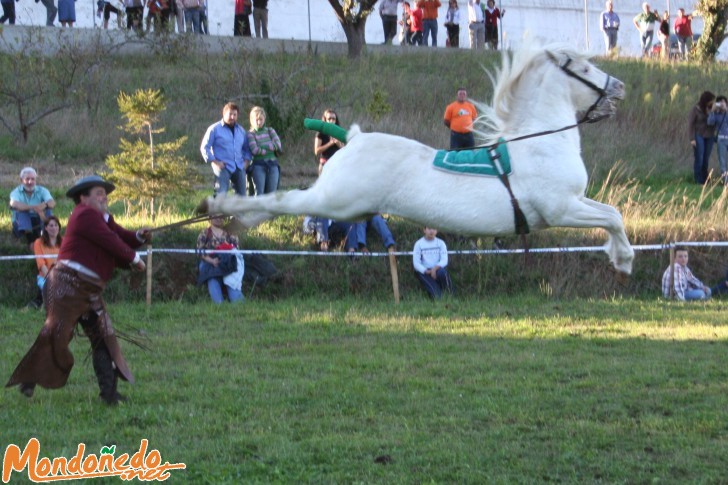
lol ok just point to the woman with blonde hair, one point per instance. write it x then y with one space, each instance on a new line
266 147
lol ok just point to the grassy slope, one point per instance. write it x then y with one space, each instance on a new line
640 161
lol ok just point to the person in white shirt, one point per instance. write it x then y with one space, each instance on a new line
430 263
476 24
452 24
388 12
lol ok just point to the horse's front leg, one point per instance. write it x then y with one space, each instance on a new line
587 213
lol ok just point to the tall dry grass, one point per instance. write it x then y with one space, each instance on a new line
669 213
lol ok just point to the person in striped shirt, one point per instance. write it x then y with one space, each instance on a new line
685 285
265 146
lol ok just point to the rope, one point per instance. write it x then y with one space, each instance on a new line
583 249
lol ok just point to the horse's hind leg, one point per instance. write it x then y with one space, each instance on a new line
315 201
587 213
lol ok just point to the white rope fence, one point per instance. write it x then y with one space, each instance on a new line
584 249
391 255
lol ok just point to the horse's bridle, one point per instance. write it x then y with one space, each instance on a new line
602 92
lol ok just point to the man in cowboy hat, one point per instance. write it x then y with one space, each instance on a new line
93 245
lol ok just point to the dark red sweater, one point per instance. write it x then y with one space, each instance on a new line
97 244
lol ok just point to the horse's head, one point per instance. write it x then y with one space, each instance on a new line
560 78
592 90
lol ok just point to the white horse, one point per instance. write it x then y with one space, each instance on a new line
540 89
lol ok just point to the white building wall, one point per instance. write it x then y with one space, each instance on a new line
551 20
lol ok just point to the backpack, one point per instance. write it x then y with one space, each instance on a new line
259 269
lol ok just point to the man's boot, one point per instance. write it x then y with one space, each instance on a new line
106 376
27 389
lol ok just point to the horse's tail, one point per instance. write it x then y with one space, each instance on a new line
353 131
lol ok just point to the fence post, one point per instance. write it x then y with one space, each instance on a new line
149 275
672 271
393 271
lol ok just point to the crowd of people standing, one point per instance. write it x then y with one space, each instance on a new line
189 16
419 22
646 22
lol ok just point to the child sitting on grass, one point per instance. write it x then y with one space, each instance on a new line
430 261
686 286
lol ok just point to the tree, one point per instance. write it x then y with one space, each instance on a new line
352 15
715 20
35 84
145 170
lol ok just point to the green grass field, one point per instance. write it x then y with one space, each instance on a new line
503 390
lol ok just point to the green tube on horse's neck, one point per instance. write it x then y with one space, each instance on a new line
331 129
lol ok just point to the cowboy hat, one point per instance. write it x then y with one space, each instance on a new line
86 183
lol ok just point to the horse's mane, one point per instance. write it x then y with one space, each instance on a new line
495 118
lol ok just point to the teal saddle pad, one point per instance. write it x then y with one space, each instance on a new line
473 162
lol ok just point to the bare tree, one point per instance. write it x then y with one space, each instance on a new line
35 85
352 15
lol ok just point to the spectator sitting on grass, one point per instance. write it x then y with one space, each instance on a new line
721 288
686 286
30 206
430 260
330 233
222 272
380 226
49 244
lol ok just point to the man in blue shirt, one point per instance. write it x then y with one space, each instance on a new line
225 148
610 27
30 206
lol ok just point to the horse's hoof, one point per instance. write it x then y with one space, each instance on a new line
202 208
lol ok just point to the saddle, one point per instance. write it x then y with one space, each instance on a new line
478 161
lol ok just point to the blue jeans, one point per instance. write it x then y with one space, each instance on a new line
430 25
435 288
346 231
610 39
696 294
222 181
646 41
214 288
723 157
721 288
416 38
28 224
266 174
461 140
683 45
192 20
8 12
702 150
51 12
379 225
